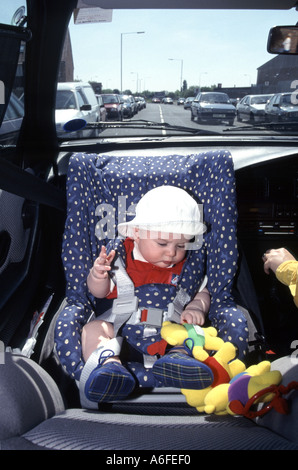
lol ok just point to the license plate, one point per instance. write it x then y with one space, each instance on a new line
219 115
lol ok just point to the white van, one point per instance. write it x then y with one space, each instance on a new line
76 100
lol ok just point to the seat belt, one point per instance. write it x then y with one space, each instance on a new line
126 302
20 182
125 306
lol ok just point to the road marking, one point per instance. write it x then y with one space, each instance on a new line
164 132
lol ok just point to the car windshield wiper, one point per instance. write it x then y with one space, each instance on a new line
79 124
274 126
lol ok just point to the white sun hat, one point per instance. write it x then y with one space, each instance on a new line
166 209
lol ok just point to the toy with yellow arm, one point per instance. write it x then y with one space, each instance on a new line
234 389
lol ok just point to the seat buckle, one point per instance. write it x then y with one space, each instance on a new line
152 317
123 305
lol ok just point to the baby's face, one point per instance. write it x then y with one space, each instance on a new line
161 249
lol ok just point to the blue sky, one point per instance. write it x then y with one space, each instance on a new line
212 46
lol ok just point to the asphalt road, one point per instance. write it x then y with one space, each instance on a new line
172 114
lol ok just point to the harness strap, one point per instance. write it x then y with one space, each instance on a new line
126 303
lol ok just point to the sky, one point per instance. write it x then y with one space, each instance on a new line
211 47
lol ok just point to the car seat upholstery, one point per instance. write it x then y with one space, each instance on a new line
33 414
107 183
33 417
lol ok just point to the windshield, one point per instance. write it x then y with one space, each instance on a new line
197 52
166 60
260 99
107 99
214 98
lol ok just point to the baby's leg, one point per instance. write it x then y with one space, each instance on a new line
94 334
104 378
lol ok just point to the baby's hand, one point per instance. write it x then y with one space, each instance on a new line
102 264
193 317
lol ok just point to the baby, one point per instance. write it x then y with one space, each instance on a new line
157 240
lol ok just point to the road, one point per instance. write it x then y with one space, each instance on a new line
172 114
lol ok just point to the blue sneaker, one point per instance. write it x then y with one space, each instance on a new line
109 382
179 370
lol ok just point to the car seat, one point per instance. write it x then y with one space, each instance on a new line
99 190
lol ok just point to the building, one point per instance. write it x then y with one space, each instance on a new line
277 75
66 68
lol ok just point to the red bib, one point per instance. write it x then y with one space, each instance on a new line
142 273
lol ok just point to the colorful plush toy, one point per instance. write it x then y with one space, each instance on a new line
223 363
234 389
195 337
232 397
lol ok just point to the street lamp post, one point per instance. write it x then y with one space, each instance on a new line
181 71
200 77
132 32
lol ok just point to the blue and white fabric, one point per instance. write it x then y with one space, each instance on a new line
102 190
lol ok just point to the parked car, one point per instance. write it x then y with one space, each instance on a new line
76 100
180 101
167 100
114 106
212 107
252 108
128 106
155 99
102 109
282 107
135 104
141 102
12 121
188 101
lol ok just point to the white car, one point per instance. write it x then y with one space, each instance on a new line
76 100
252 107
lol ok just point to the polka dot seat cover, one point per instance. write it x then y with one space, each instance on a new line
101 190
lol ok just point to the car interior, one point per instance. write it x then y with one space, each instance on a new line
50 187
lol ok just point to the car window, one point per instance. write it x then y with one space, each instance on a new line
286 100
65 99
81 98
91 99
15 109
12 13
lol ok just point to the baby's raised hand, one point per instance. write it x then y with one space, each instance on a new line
102 264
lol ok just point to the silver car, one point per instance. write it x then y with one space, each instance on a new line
282 107
252 108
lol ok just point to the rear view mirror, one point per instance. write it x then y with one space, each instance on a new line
283 40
